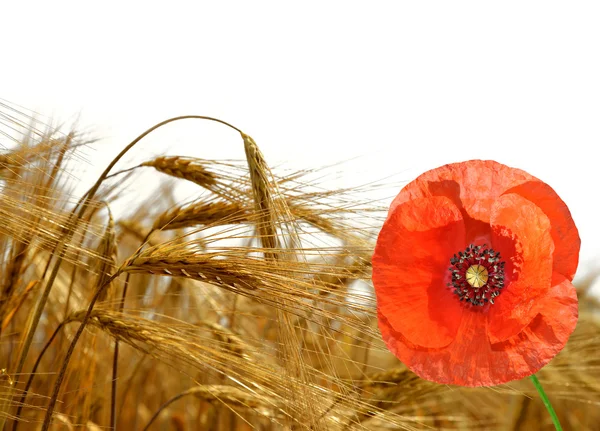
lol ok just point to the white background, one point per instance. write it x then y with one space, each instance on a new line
408 86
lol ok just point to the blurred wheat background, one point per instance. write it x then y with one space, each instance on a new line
248 307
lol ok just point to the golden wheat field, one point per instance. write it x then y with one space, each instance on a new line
247 308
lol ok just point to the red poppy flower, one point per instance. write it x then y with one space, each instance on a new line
472 272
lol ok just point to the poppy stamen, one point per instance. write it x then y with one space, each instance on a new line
477 274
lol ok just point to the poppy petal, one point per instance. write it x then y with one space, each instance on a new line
470 360
473 186
521 230
564 232
410 265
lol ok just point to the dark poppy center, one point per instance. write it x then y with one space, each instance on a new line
477 274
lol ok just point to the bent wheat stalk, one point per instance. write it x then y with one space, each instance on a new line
228 395
266 226
84 204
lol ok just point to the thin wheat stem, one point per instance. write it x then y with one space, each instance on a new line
164 406
113 388
21 402
115 370
65 363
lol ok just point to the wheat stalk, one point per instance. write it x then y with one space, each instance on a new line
228 395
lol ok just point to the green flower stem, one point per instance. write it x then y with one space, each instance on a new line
546 401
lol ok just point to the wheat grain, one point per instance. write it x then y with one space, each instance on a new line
108 265
185 168
212 213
